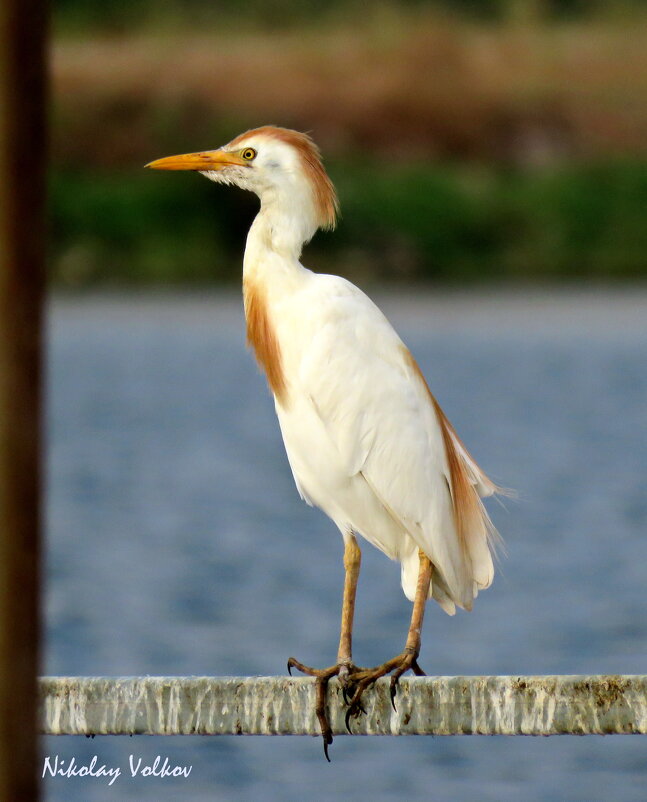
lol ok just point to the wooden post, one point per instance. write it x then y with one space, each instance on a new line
22 199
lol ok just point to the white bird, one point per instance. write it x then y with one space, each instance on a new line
366 440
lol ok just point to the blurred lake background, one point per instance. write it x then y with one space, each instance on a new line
509 143
491 162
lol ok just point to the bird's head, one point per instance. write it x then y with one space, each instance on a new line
281 166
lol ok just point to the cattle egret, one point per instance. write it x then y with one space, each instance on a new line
366 440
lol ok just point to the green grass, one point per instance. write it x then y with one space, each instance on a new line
413 222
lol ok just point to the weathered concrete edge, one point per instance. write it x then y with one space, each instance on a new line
505 705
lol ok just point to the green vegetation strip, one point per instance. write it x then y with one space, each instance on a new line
410 222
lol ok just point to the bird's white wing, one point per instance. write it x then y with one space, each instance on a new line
377 410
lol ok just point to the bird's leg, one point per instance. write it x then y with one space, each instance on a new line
408 659
352 562
344 667
412 646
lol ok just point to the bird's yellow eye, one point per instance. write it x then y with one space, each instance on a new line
248 154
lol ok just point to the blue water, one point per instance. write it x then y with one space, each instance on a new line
177 544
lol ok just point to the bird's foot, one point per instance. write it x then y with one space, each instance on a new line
362 679
345 672
354 680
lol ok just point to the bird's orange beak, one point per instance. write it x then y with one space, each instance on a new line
206 160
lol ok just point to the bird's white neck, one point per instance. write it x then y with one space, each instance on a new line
271 274
284 223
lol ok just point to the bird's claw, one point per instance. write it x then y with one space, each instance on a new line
349 713
327 740
355 707
392 690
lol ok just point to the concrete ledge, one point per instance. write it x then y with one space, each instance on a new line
544 705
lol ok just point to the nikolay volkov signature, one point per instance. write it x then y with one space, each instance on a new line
160 768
